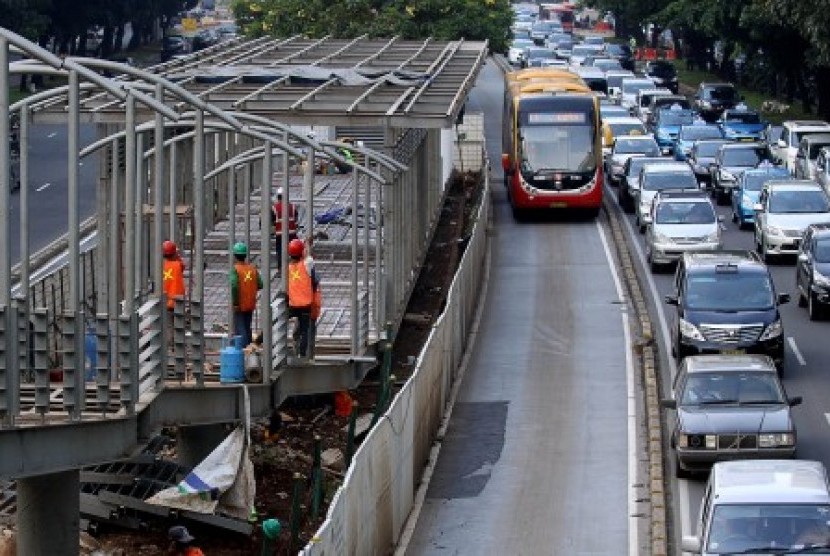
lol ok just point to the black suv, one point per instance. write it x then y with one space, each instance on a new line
726 303
621 52
712 99
812 270
663 73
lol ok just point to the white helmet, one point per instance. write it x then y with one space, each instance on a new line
279 192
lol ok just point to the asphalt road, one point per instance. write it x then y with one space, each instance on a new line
804 371
48 199
539 453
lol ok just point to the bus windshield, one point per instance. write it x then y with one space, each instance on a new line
553 148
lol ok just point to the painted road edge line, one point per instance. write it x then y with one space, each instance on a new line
631 405
796 351
649 369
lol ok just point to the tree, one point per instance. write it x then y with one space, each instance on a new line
410 19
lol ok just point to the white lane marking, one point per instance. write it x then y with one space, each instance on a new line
52 134
631 400
796 351
42 187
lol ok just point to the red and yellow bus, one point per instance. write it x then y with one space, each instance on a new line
552 154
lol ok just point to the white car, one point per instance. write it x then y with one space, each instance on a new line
629 89
784 210
661 177
614 79
793 132
582 51
645 101
516 51
681 221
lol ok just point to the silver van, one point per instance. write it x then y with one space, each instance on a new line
763 507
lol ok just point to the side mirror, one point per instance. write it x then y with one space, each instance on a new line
782 143
757 207
671 299
802 257
668 404
783 298
796 400
690 543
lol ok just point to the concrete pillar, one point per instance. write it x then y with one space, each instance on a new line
48 514
193 444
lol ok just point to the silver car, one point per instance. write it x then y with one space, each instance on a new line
681 221
784 210
729 407
657 177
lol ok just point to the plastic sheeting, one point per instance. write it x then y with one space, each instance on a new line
368 513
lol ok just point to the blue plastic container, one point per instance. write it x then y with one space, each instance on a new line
231 361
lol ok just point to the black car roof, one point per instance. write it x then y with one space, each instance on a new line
745 261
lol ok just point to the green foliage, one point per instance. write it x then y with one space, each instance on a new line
409 19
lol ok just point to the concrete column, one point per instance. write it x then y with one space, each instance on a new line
193 444
48 514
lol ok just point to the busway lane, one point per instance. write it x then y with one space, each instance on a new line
537 456
805 369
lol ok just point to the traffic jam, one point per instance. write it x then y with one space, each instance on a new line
729 216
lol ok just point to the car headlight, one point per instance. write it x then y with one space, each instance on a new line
726 176
773 330
774 231
714 237
690 331
821 279
707 441
776 440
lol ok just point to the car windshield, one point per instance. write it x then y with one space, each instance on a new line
774 133
695 132
707 150
618 49
797 202
821 252
606 65
656 181
537 53
743 118
754 182
584 50
685 213
752 387
796 136
563 148
676 117
522 43
633 87
729 291
663 69
815 148
721 93
624 145
636 164
616 81
748 158
769 529
610 111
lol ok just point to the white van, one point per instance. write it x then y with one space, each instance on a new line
763 507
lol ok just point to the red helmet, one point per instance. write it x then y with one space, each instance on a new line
168 248
296 248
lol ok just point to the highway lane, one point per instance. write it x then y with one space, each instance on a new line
804 372
48 214
540 453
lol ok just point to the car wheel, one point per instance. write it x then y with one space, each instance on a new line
814 310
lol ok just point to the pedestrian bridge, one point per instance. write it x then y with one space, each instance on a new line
193 150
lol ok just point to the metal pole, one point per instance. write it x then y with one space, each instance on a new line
23 140
129 206
114 242
158 197
286 185
140 197
74 309
231 229
355 195
380 243
247 203
308 192
199 220
5 195
265 259
367 200
174 173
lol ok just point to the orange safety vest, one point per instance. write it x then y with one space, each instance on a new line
173 280
300 290
292 217
248 283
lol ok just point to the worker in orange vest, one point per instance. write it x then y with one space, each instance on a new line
302 285
173 277
245 283
181 542
276 219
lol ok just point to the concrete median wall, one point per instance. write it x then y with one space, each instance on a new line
369 510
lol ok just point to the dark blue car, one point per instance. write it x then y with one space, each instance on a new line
748 191
741 124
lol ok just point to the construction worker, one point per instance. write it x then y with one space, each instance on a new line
347 154
181 542
276 220
302 285
245 283
173 277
